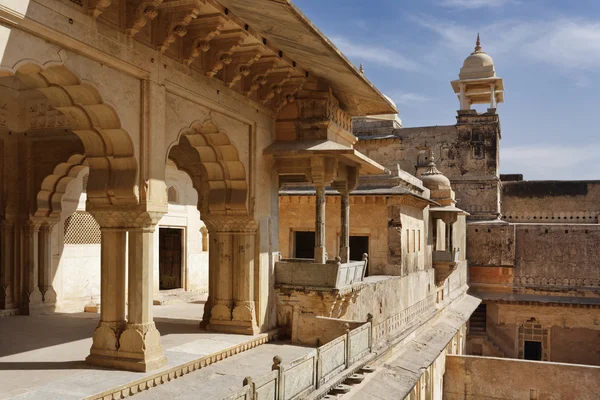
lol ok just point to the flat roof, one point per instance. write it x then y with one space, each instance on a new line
282 23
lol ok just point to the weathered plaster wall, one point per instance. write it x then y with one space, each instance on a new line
483 378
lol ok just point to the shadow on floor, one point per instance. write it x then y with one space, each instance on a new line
19 334
44 365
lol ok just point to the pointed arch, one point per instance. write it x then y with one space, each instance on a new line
205 152
109 150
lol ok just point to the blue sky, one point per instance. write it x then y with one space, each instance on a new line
547 52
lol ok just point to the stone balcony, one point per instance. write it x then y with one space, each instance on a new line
444 262
308 274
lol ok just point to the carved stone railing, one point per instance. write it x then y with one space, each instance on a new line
331 275
295 380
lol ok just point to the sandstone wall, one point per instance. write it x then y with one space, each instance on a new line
546 257
483 378
572 333
467 153
573 202
397 236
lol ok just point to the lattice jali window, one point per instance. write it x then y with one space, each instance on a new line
78 2
82 228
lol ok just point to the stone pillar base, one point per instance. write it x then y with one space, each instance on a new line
136 349
49 296
33 303
237 327
127 364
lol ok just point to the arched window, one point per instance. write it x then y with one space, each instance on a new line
172 195
85 182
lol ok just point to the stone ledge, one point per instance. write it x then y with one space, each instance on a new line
168 375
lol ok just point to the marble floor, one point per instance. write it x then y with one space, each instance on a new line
42 357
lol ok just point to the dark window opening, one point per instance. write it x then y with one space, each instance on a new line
169 255
359 245
305 245
533 350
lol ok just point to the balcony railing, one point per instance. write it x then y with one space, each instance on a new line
331 275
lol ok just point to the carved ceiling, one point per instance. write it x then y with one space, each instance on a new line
208 38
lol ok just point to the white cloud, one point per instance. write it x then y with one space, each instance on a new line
373 54
566 43
552 162
408 98
475 3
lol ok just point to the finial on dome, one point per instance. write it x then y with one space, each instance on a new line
362 69
478 44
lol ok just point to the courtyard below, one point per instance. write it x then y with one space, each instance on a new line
42 357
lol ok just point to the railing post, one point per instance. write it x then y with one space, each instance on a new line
248 382
277 360
347 326
370 322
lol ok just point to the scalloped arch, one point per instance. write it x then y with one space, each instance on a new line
109 150
205 152
54 186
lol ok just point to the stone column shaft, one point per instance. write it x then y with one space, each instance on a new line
141 276
139 344
221 262
112 298
113 278
345 225
244 313
32 296
45 266
320 244
492 95
6 265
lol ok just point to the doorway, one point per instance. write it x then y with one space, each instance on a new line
304 245
169 255
533 350
359 245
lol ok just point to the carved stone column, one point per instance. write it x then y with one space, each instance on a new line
345 225
244 313
231 275
32 296
45 266
320 244
139 345
112 297
6 265
220 260
133 345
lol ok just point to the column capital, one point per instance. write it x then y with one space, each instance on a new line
127 219
231 224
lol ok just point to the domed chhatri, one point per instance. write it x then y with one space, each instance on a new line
477 81
433 179
478 64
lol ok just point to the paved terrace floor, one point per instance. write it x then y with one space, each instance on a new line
42 357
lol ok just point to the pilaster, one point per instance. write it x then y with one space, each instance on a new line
45 266
32 303
6 265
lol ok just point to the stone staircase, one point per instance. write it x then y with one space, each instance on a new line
477 321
